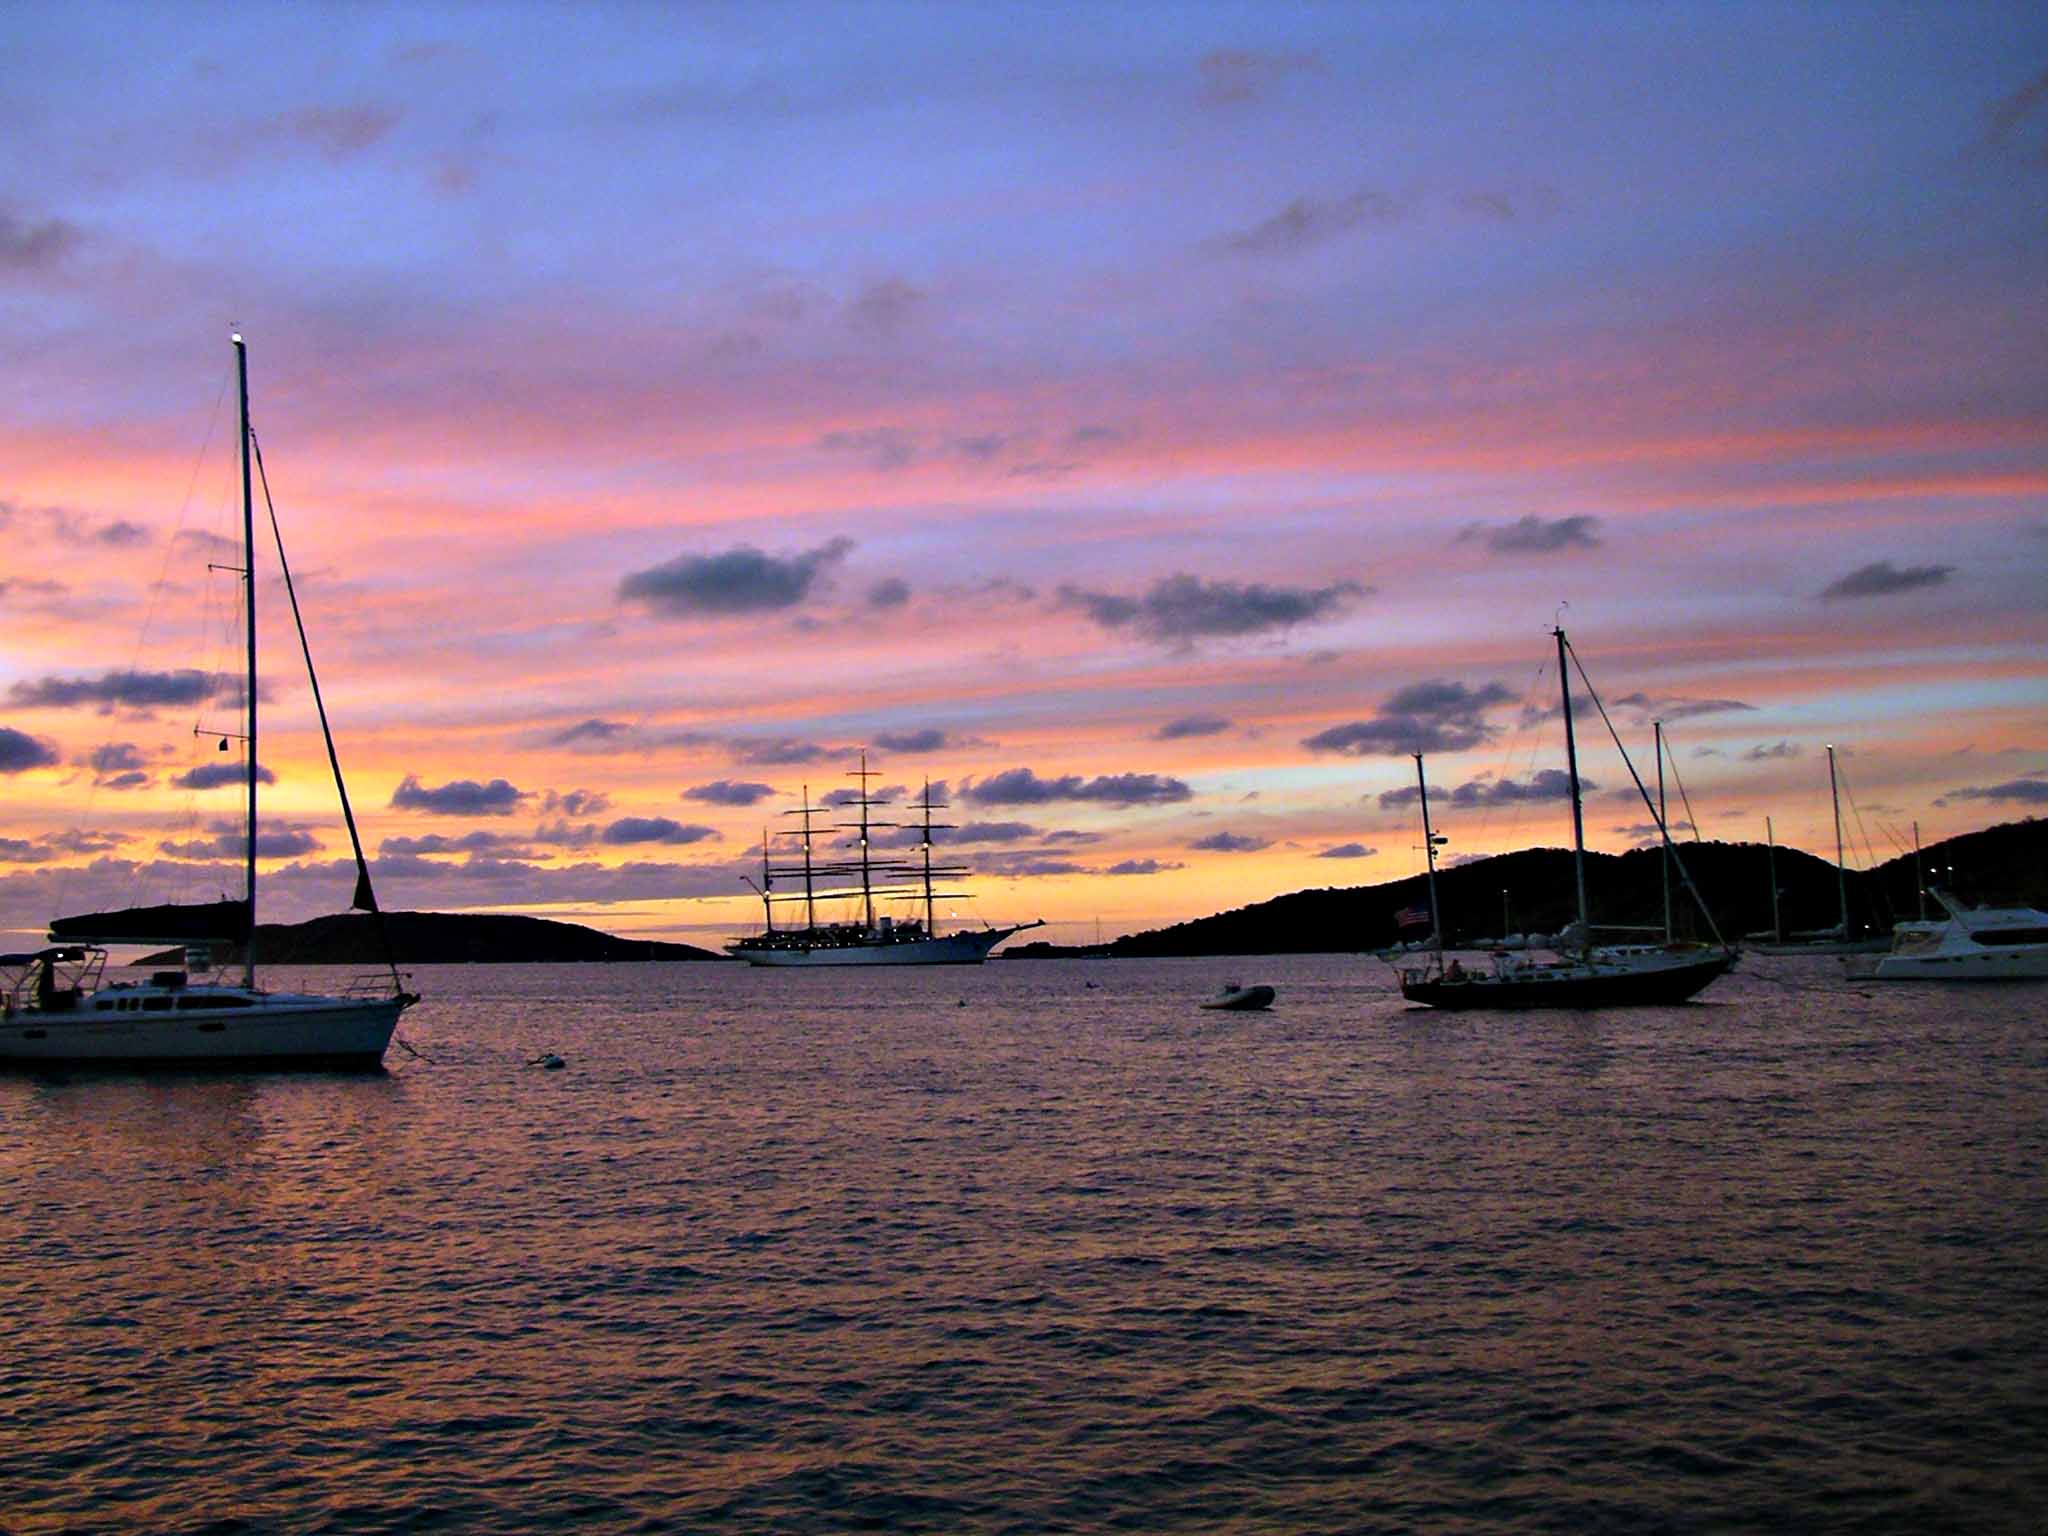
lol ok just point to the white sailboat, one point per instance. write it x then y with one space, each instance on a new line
876 939
1581 974
57 1007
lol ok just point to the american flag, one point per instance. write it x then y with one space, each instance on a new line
1412 917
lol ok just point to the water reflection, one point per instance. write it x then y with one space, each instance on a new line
800 1252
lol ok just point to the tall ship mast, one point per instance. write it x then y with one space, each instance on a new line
796 872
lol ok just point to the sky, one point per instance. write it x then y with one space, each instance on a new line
1149 424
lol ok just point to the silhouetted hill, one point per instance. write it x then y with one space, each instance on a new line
2000 865
450 938
2003 863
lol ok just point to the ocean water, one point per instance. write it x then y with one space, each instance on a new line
1041 1247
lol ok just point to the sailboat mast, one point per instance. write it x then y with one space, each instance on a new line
1436 926
929 930
867 890
1841 873
1571 760
1919 880
1663 830
1771 854
249 619
767 885
810 899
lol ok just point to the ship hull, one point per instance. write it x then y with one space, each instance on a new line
1983 965
280 1032
965 948
1569 986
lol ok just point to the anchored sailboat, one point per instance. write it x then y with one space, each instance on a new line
1838 940
58 1006
1583 974
874 939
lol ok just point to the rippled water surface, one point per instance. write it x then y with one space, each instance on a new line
1040 1246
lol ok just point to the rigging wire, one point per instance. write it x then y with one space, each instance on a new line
1683 798
60 886
1642 790
1524 745
1900 847
1869 853
365 897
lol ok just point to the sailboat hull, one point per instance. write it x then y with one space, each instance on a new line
52 1010
1568 985
964 948
1876 945
281 1031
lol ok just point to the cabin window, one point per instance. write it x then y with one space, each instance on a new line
1994 936
156 1004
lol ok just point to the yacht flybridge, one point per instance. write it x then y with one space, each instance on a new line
56 1005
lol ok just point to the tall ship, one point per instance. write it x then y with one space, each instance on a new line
800 875
57 1006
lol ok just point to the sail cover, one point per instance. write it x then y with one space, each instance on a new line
174 924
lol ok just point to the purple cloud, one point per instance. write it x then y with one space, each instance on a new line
1141 867
126 689
1184 608
20 751
1020 786
1433 716
1308 221
31 245
215 775
1881 578
460 797
1230 842
729 792
1534 535
741 580
2031 790
655 829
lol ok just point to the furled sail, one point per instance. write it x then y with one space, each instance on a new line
171 924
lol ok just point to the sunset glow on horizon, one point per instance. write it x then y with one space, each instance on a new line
1149 425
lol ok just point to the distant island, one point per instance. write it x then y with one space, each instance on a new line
1525 892
1532 892
446 938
